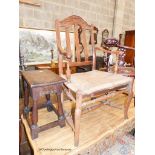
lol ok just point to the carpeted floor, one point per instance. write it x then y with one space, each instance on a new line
124 146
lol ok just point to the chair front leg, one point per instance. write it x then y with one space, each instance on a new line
128 101
77 118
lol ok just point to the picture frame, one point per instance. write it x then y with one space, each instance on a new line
37 46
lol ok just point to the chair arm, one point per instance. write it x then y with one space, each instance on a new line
64 53
126 47
108 51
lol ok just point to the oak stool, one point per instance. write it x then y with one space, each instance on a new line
39 83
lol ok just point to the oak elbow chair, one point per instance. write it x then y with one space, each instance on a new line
102 85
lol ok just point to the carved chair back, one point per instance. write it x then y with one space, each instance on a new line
73 24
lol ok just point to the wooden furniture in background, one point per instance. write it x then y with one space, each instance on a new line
130 41
54 67
123 68
43 66
98 84
42 83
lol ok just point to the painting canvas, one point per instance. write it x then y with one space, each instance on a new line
35 46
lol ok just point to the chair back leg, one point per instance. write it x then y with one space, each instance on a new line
129 98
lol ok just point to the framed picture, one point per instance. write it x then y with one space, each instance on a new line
39 46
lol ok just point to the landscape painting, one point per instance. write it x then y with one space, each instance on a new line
36 46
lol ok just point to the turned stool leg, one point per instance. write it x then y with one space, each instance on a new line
34 126
26 99
22 135
60 111
77 118
128 101
48 103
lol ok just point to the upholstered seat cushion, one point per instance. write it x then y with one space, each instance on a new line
93 81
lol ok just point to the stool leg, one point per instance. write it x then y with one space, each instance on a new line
34 126
22 135
48 103
60 111
26 99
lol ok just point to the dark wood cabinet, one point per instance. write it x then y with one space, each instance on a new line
130 41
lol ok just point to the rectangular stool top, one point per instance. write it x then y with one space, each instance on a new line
37 78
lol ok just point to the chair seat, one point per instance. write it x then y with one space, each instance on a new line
93 81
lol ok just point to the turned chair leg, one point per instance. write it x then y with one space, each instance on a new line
77 118
128 101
